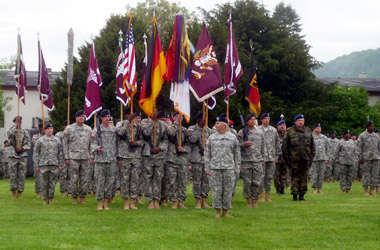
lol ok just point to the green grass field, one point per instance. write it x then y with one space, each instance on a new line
332 220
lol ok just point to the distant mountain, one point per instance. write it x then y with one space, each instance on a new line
350 66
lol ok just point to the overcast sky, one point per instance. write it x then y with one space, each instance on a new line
332 27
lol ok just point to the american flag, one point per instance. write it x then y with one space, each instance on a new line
129 74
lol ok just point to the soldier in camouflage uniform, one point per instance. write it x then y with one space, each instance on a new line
332 166
78 156
18 157
162 116
252 149
129 153
63 175
5 159
298 152
222 162
48 159
177 161
272 153
346 156
320 159
37 175
281 171
154 154
104 147
356 166
200 179
369 156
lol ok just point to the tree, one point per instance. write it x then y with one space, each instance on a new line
5 64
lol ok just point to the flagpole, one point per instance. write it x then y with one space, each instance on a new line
129 32
180 134
204 127
18 86
154 104
228 109
121 111
95 120
207 113
43 113
68 104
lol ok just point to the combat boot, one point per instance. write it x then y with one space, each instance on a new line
254 203
151 205
181 205
139 201
218 213
132 204
320 191
126 204
225 214
100 204
204 203
278 191
348 191
261 197
249 202
267 196
50 201
156 204
366 191
372 191
163 202
282 190
39 195
105 204
301 197
295 198
63 195
198 203
14 194
19 196
174 205
75 200
315 191
82 201
46 202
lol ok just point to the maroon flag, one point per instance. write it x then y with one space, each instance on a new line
20 72
93 102
121 94
206 79
232 70
43 83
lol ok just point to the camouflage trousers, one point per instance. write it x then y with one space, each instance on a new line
317 173
329 169
153 173
130 171
252 173
141 186
345 176
335 171
91 178
370 173
201 185
105 179
64 179
177 176
78 172
298 173
360 171
37 182
165 183
222 182
237 177
49 177
117 182
17 171
281 175
268 172
5 170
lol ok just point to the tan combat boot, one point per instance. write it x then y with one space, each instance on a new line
105 204
198 203
39 195
19 196
249 202
14 194
82 200
267 196
132 204
63 195
181 205
218 213
366 191
320 191
100 204
50 201
156 204
75 200
112 201
315 191
261 197
254 203
126 204
151 205
204 203
174 205
372 191
348 191
46 202
139 201
225 214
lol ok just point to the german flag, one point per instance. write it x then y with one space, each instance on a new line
154 72
252 89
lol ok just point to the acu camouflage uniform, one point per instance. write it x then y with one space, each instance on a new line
37 175
332 168
233 131
347 156
281 173
63 175
222 158
18 161
6 152
369 151
48 156
298 152
319 160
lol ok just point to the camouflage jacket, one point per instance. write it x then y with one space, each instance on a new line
76 142
369 145
272 143
321 147
222 151
298 144
195 135
48 152
173 138
161 138
281 136
108 137
60 135
346 152
125 137
24 142
332 147
255 152
6 152
35 137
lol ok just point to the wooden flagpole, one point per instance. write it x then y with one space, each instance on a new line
204 127
94 120
121 111
228 109
132 119
68 104
43 114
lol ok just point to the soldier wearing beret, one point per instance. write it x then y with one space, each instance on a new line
320 159
37 175
281 171
331 170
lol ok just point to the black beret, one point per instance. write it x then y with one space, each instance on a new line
346 131
353 134
161 114
222 119
105 112
64 123
223 115
332 132
198 115
264 115
6 141
175 113
137 114
40 125
14 119
127 111
48 125
369 123
249 116
317 125
79 113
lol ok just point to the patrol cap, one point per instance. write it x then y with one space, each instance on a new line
299 116
221 119
317 125
264 115
105 112
14 119
79 113
198 115
333 132
64 123
48 125
280 122
127 111
369 123
346 131
249 116
161 114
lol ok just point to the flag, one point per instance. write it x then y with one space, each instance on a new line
252 89
232 70
205 79
154 72
20 72
129 74
120 91
43 83
178 64
93 102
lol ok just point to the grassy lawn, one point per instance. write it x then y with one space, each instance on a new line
332 220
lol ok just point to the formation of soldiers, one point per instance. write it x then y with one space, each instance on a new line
154 157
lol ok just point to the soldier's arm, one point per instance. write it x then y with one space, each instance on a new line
93 143
285 149
61 159
148 129
240 138
193 135
360 147
36 154
278 146
337 152
237 156
207 155
312 147
65 143
164 142
27 142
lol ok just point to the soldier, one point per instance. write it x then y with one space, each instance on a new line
154 132
281 171
272 153
129 154
162 116
369 156
298 152
20 143
5 159
197 139
355 175
222 162
177 161
331 167
63 175
346 156
78 156
252 149
320 159
140 186
37 175
104 147
48 160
